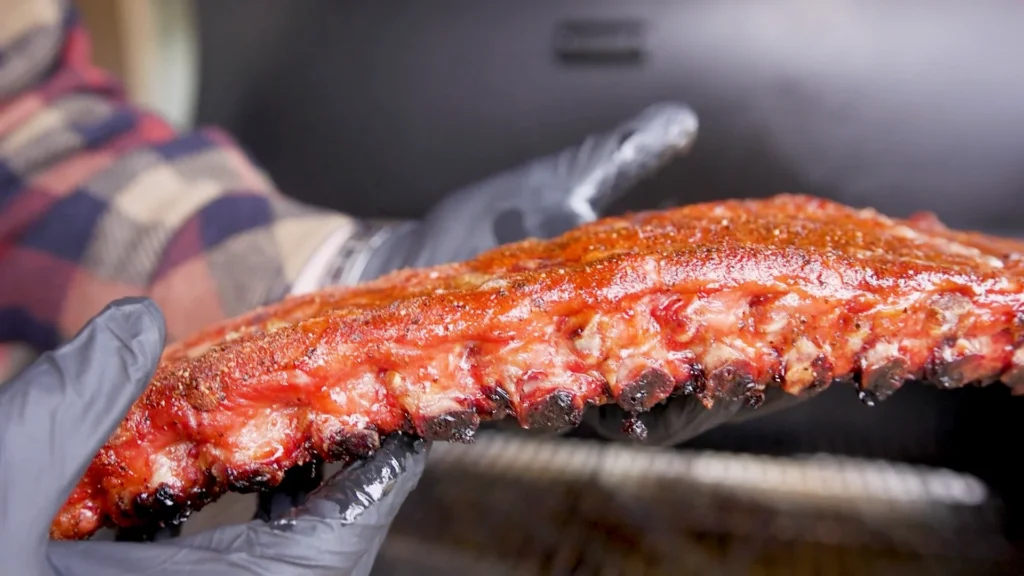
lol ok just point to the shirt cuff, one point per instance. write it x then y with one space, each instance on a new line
341 259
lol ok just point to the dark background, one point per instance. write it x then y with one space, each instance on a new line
382 108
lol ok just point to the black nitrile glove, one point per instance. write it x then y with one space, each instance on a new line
57 413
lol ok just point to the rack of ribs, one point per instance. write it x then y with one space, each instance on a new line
718 300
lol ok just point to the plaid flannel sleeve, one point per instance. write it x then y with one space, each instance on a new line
99 199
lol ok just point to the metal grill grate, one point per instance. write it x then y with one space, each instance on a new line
513 504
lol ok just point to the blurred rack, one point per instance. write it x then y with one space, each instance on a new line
516 504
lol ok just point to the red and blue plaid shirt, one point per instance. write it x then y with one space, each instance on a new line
100 199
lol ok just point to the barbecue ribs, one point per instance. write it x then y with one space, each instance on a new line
718 300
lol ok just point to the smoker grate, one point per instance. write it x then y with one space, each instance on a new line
514 504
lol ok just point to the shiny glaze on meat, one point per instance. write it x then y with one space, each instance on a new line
719 300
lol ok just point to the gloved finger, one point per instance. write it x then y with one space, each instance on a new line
342 525
59 411
607 166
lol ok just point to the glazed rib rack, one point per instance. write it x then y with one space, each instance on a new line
719 300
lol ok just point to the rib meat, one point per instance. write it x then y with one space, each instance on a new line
718 300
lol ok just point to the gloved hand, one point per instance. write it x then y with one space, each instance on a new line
58 412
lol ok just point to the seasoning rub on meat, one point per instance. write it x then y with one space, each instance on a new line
718 300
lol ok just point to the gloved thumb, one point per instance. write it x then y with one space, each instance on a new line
60 410
608 165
